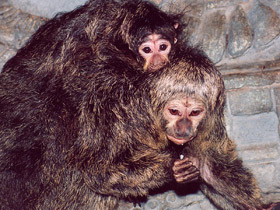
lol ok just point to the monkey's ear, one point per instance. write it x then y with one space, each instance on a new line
176 25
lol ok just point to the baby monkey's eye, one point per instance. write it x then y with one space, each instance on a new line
162 47
174 111
195 112
146 50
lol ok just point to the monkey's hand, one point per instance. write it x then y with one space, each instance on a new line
184 171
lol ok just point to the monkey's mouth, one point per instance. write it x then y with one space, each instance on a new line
179 141
155 67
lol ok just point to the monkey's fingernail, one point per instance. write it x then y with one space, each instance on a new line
181 157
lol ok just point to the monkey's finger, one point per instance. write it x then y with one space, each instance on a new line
185 161
184 171
182 161
188 178
185 176
189 171
182 166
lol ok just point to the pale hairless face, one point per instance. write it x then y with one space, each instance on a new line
183 116
154 50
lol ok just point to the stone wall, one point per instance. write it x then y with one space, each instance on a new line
252 120
242 38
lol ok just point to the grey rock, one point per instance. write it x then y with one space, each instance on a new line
277 100
195 198
248 102
16 25
214 36
173 201
265 174
249 80
46 8
5 54
152 204
195 206
240 33
192 24
277 77
189 7
12 18
206 204
265 153
255 130
212 4
266 24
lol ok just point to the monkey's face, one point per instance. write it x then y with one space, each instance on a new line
154 49
183 115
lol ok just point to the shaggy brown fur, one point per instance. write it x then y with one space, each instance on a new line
83 137
81 125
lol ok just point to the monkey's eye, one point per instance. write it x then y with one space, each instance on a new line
195 112
162 47
146 50
174 111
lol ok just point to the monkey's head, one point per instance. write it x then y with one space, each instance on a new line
187 95
150 33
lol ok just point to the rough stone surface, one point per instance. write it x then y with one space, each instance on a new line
252 101
265 153
277 98
7 54
46 8
193 8
214 39
266 24
240 33
212 4
193 24
255 130
249 80
268 179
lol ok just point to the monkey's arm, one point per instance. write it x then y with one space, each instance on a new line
227 182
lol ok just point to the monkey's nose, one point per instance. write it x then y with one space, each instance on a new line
183 128
183 133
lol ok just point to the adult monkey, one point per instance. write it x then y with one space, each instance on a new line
85 138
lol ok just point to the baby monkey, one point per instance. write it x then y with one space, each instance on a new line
137 34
